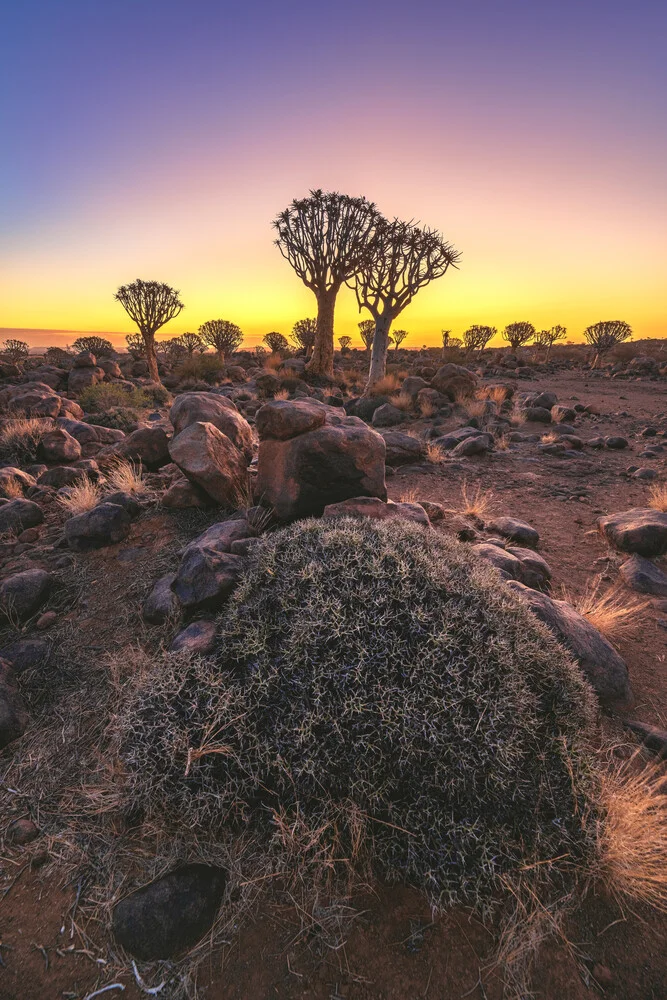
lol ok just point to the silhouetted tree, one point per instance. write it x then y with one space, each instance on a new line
16 350
222 335
604 336
261 352
547 338
477 337
135 345
404 258
367 332
58 356
99 346
449 343
518 334
150 304
303 334
326 238
190 342
344 343
276 342
398 337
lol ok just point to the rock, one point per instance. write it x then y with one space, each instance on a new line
267 384
46 621
60 476
106 524
644 473
26 654
602 666
644 576
402 449
111 368
108 435
563 414
375 508
209 459
515 530
198 638
183 494
21 594
388 415
480 444
281 420
84 359
454 438
537 414
59 446
641 530
167 917
535 571
17 515
301 475
70 408
508 564
81 378
545 400
13 718
434 399
125 500
208 572
454 381
435 511
32 400
11 478
162 603
212 408
651 736
616 443
21 831
79 429
148 445
413 385
365 407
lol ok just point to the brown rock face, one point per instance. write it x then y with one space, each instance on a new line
301 475
281 420
209 459
211 408
454 380
378 509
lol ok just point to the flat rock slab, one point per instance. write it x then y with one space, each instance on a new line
642 530
378 509
106 524
644 576
652 737
517 531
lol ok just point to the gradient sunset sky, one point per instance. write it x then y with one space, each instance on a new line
159 140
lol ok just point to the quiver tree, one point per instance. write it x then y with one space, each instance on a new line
16 350
477 337
58 356
449 343
398 338
326 238
190 342
344 343
303 334
135 345
99 346
604 336
276 342
518 334
367 332
547 338
150 304
404 258
223 336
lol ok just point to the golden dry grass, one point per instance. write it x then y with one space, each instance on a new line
20 437
386 386
477 502
658 497
616 614
401 400
632 832
476 408
12 489
281 394
427 409
503 442
126 477
549 438
435 453
81 497
497 393
409 495
517 416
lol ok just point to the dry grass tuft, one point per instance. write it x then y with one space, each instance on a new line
20 438
386 386
476 503
549 438
517 416
658 497
402 401
126 477
12 489
476 408
427 409
281 394
435 453
616 614
409 496
632 832
81 497
503 442
497 393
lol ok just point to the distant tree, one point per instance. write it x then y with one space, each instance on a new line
367 332
16 350
172 350
604 336
303 334
191 342
276 342
403 259
58 356
518 334
326 238
398 336
344 343
261 352
135 345
221 334
150 304
547 338
98 346
449 343
477 337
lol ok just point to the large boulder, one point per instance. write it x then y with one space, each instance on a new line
641 530
21 594
378 509
81 378
59 446
454 381
644 576
402 449
388 415
148 445
167 917
208 571
212 408
210 460
17 515
12 478
34 399
602 666
282 420
83 432
106 524
301 474
515 530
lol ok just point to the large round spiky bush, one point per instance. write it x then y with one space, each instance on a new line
378 695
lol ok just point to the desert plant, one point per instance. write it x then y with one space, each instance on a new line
615 613
547 338
476 338
658 497
434 453
150 304
475 502
99 346
221 334
344 343
367 332
605 335
208 367
326 238
191 342
105 395
276 342
303 334
80 497
518 334
126 477
58 356
402 401
122 418
135 345
403 259
16 350
20 438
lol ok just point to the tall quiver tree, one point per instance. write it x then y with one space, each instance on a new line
150 304
404 259
326 238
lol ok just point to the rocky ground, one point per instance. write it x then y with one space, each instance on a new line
530 464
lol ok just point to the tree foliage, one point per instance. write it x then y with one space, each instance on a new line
303 334
57 356
344 342
150 304
135 345
518 334
99 346
16 350
367 332
276 342
477 337
398 336
606 334
221 334
547 338
190 342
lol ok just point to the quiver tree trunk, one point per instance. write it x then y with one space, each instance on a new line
379 350
321 361
151 356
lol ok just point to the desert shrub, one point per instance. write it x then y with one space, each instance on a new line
157 394
105 395
208 367
122 418
20 438
80 497
379 696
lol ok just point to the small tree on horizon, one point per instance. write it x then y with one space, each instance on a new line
57 355
150 304
303 334
344 343
606 335
189 342
135 345
16 350
518 334
276 342
398 336
367 332
477 337
547 338
99 346
326 238
225 337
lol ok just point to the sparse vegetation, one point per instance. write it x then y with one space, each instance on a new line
127 477
434 453
106 395
150 304
20 438
476 338
207 367
615 613
606 335
16 350
518 334
222 335
99 346
80 497
658 497
476 502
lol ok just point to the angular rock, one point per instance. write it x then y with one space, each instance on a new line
282 419
148 445
162 603
515 530
81 378
21 594
167 917
11 478
59 446
478 444
198 638
402 449
602 666
209 459
378 509
388 415
106 524
17 515
546 400
535 571
451 439
183 494
644 576
208 572
79 429
60 476
32 399
641 530
537 414
508 564
212 408
454 381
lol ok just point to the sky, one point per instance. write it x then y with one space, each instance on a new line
159 140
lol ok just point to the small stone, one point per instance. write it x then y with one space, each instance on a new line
198 638
21 831
46 620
